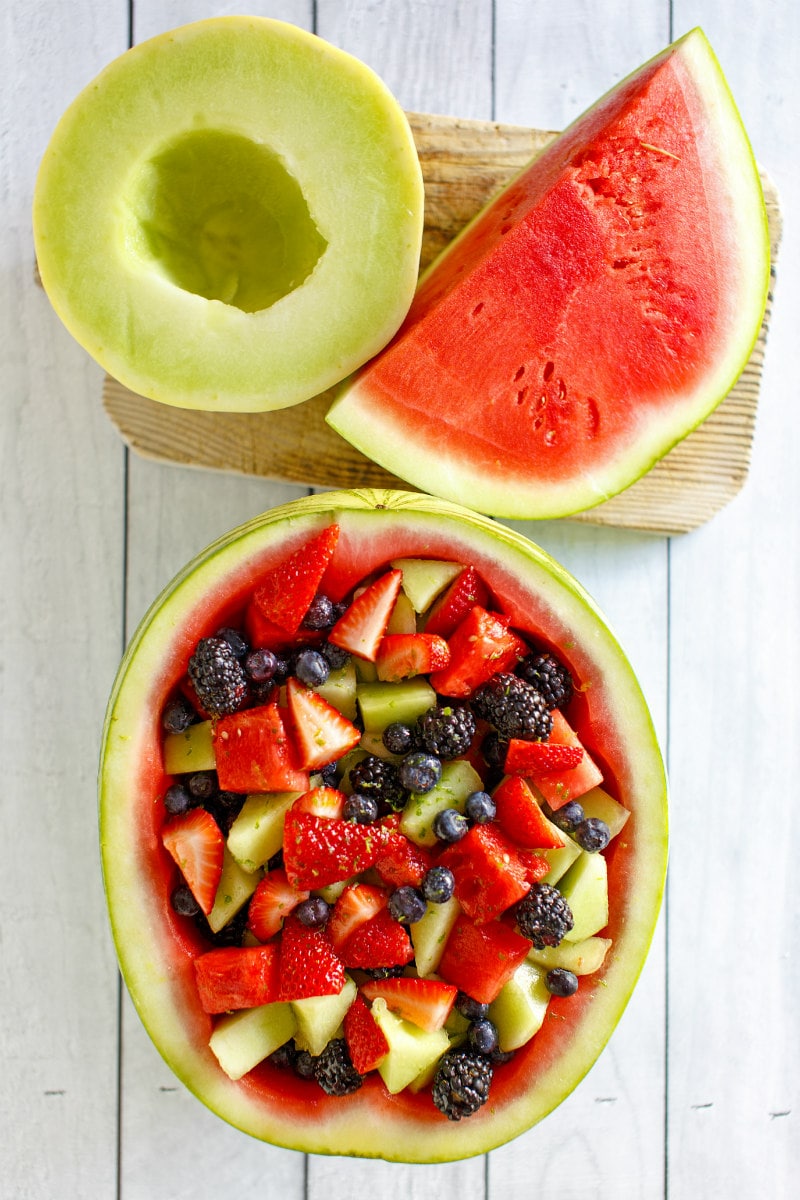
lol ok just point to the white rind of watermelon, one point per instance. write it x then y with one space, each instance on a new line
439 406
155 956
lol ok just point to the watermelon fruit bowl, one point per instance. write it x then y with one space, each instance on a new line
535 602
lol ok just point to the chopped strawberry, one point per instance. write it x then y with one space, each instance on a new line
521 818
560 786
480 959
379 942
321 733
402 862
357 904
195 841
322 802
481 646
427 1003
402 655
309 965
489 873
363 625
467 590
233 977
365 1039
254 753
536 758
272 901
265 634
322 850
286 591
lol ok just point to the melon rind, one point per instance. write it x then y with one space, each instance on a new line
340 134
442 455
156 964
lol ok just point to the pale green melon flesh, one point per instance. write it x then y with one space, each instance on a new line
590 317
202 222
539 595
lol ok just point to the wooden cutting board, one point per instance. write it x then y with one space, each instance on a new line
464 163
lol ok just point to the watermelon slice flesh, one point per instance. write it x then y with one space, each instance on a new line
592 315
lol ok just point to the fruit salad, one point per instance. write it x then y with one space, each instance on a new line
387 827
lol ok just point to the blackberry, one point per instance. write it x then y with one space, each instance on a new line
514 707
420 772
178 715
218 677
284 1056
592 834
550 677
461 1083
312 668
384 972
376 777
230 934
334 1070
398 738
225 808
544 915
336 656
445 731
493 749
304 1064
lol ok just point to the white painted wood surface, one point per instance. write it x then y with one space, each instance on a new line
697 1094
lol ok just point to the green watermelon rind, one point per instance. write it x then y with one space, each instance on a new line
444 469
368 1123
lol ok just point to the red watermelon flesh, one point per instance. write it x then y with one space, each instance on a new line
157 949
590 316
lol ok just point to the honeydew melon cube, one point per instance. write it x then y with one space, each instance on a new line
366 671
411 1050
192 750
458 780
382 703
243 1039
257 832
372 743
319 1017
430 933
598 803
585 888
425 578
339 689
235 888
582 958
403 618
519 1009
560 859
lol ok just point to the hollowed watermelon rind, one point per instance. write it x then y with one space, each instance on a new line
430 423
155 956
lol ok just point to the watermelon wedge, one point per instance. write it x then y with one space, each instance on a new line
590 316
157 949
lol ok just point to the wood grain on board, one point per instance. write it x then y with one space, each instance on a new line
464 162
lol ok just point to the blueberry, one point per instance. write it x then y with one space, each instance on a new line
178 715
568 817
592 834
420 772
313 912
203 784
261 665
305 1064
320 613
177 799
407 905
183 902
482 1036
438 885
480 808
361 809
235 640
472 1009
561 982
450 825
398 738
312 668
